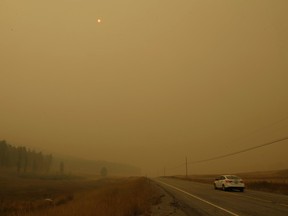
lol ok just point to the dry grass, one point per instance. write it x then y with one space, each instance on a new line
117 197
269 186
270 181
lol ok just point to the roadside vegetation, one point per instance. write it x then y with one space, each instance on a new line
270 181
33 184
74 197
24 160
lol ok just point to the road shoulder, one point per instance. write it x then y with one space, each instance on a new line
167 204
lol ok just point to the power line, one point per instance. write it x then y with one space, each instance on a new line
233 153
262 128
241 151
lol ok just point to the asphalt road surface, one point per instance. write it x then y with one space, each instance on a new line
202 199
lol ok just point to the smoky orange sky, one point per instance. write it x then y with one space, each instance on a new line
153 82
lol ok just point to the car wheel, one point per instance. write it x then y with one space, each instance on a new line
223 188
215 187
241 189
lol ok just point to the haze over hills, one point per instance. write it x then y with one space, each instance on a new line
76 165
28 160
152 83
93 89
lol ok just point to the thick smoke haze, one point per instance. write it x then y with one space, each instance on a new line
152 83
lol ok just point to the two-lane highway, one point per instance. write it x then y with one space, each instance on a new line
202 199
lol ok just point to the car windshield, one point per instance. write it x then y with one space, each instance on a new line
232 177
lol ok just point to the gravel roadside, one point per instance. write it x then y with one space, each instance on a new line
167 204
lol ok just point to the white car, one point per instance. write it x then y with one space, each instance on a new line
228 182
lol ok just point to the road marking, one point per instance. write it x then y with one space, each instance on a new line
196 197
284 204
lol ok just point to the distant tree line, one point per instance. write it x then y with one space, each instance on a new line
23 159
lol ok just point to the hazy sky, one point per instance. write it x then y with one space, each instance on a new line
153 82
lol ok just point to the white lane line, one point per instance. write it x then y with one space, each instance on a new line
284 204
196 197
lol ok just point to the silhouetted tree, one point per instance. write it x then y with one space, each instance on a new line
19 159
48 163
3 153
24 160
61 168
25 163
104 172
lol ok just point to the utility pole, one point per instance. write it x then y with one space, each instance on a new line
186 168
